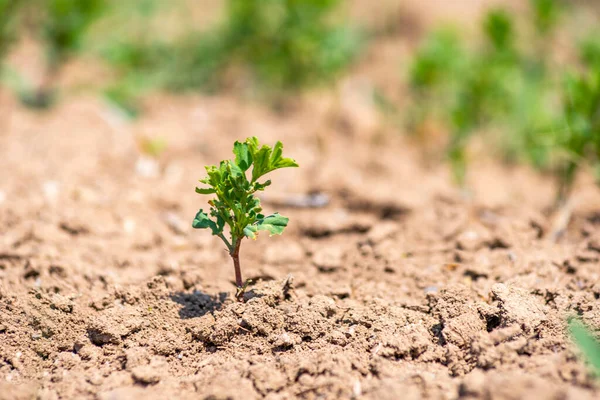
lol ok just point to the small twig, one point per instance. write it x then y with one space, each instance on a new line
561 221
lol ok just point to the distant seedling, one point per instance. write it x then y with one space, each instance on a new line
587 344
235 205
580 142
507 95
62 25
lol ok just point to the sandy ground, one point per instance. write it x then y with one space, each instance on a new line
400 287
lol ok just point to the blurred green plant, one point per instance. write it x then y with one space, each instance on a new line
487 89
288 44
8 32
581 140
498 27
64 24
511 96
269 46
463 90
139 65
433 76
570 138
588 345
546 15
61 25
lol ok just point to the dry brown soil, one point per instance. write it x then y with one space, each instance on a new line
401 287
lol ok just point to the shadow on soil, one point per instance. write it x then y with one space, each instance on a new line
197 304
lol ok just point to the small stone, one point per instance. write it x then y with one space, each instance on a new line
61 303
145 374
287 339
351 331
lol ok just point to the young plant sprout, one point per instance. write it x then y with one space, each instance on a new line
587 343
235 205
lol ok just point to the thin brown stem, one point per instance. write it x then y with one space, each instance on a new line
235 254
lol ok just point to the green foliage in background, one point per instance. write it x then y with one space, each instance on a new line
433 77
546 15
581 99
263 47
8 17
498 27
275 46
60 25
586 342
522 104
288 44
64 24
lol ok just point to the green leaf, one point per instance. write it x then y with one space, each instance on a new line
261 186
586 342
274 224
278 161
267 159
234 170
243 156
205 190
202 221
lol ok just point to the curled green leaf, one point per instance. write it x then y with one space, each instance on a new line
202 221
205 190
243 156
274 224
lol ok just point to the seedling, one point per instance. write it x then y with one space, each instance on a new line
587 344
236 206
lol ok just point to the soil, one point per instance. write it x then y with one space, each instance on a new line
397 285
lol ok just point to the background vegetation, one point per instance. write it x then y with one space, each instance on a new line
506 90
